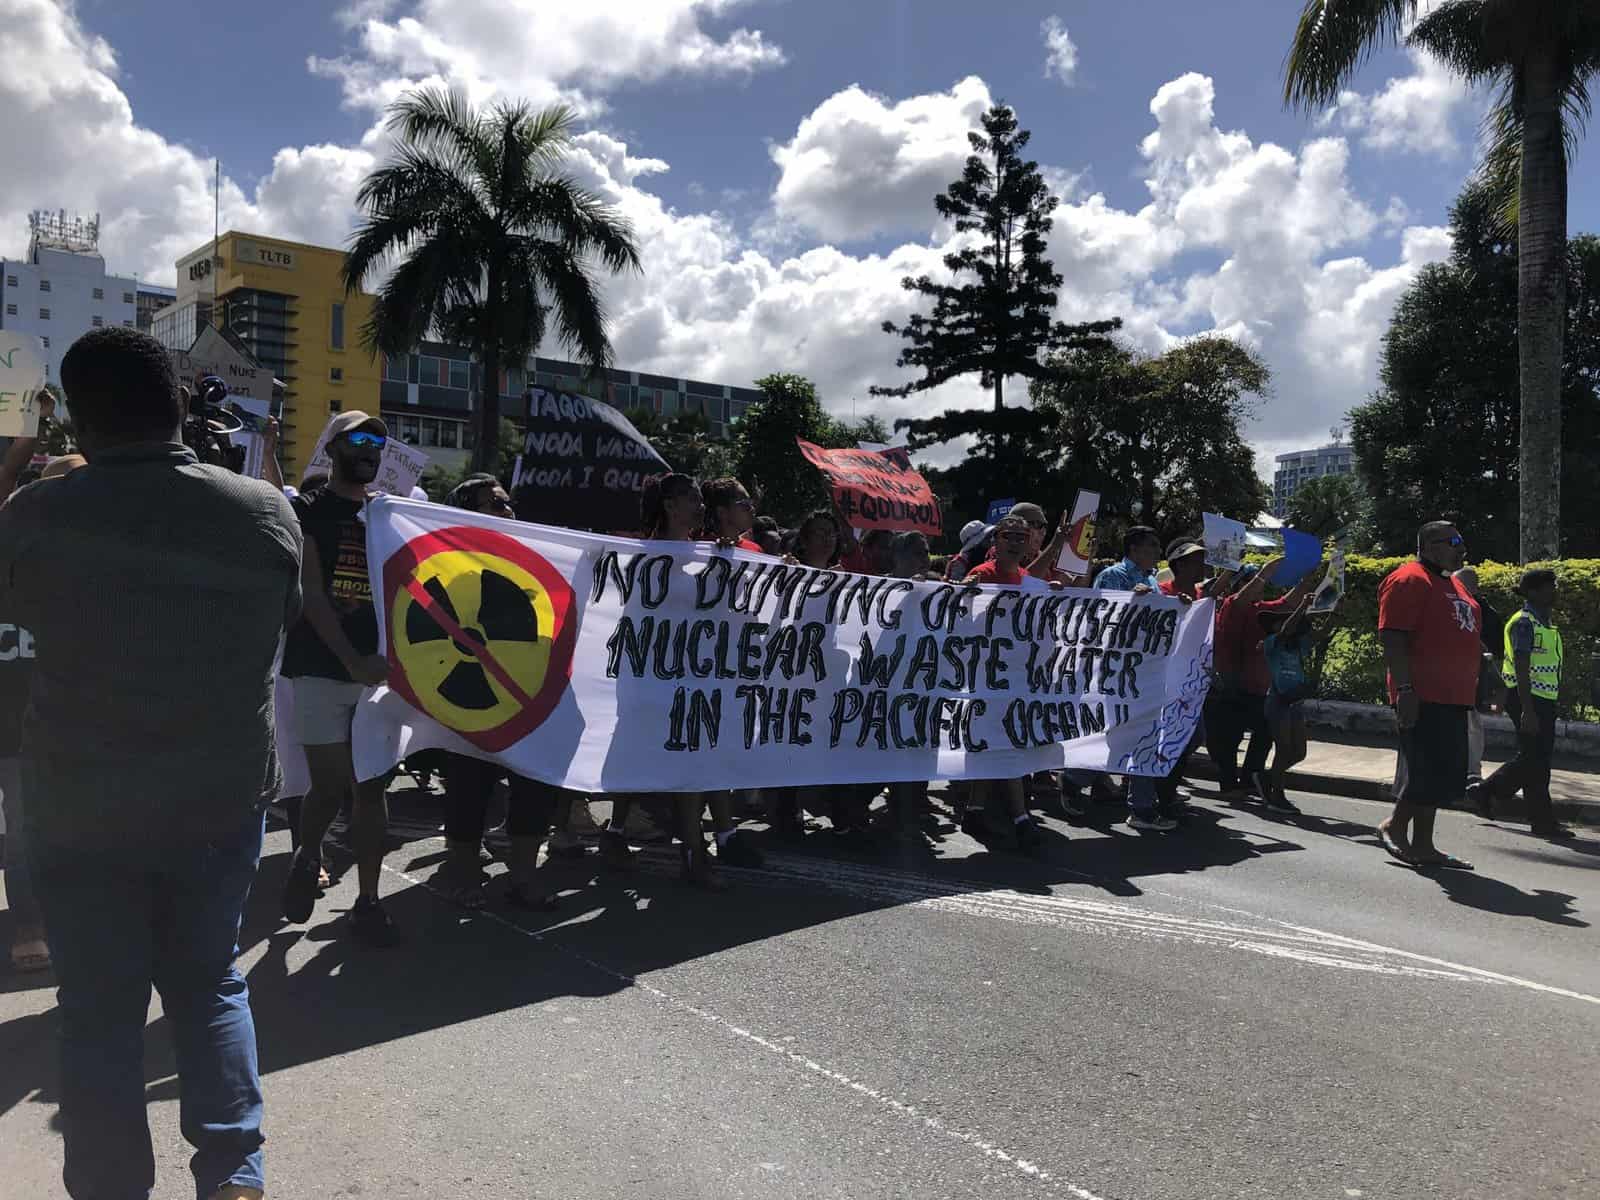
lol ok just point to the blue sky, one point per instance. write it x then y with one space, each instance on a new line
779 158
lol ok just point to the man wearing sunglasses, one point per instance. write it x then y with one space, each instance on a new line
332 658
1429 623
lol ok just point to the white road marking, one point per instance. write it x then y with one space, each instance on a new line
900 1108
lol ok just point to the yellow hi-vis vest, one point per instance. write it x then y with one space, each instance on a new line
1544 664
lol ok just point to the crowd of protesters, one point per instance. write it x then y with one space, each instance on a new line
160 611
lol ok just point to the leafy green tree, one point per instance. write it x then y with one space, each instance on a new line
1441 437
998 318
1540 54
1326 506
685 440
1158 437
765 457
498 247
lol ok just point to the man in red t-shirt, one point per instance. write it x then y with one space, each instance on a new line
1010 548
1429 624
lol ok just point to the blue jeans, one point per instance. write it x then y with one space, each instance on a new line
118 921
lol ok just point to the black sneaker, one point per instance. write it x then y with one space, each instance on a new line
1279 803
301 889
739 851
369 923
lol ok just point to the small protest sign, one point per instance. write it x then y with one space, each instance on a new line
21 382
1225 541
1331 590
583 464
876 491
402 465
998 509
1302 554
1078 549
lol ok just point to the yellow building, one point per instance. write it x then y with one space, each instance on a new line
286 303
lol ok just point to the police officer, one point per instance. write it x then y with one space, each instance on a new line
1532 674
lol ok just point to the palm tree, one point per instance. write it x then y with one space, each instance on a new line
1541 55
495 241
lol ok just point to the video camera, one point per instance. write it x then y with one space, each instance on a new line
208 425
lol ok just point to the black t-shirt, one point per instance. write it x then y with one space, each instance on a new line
16 668
333 529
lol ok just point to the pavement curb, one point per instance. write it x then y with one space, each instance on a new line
1581 812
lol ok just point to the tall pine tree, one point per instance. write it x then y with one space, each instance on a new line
997 318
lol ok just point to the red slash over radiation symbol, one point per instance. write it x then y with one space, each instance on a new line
480 633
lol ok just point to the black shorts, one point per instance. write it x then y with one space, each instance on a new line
1433 757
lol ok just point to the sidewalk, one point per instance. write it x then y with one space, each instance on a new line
1363 769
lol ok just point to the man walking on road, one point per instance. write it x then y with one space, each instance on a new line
332 657
157 590
1532 675
1429 624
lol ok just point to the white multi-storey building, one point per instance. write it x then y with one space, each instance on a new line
61 290
1298 466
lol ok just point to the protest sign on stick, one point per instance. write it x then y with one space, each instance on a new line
1302 554
876 491
21 382
1225 542
1331 590
583 464
998 509
1078 549
606 664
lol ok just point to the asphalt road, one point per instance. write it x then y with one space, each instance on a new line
1249 1008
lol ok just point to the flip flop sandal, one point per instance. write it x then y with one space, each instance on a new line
1447 862
1393 848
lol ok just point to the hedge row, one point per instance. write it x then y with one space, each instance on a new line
1353 668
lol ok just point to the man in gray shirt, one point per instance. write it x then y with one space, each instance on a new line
156 589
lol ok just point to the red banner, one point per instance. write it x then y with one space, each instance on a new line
874 491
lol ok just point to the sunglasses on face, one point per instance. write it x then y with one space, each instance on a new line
362 438
746 502
1013 535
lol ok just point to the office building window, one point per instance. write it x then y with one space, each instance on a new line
96 322
333 406
394 367
44 314
128 324
44 285
11 310
460 372
336 330
335 374
46 342
127 297
430 432
447 434
99 293
11 281
407 429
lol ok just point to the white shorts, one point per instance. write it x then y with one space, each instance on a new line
323 709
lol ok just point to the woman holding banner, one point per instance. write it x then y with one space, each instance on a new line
671 509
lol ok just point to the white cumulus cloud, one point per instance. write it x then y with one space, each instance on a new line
860 166
1418 112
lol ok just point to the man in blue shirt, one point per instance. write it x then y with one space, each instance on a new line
1136 573
1141 551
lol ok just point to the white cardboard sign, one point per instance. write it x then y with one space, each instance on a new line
1079 546
21 381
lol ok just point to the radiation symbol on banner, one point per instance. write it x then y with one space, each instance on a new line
480 633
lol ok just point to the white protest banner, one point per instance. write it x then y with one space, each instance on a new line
1225 542
1079 547
402 465
21 381
608 664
